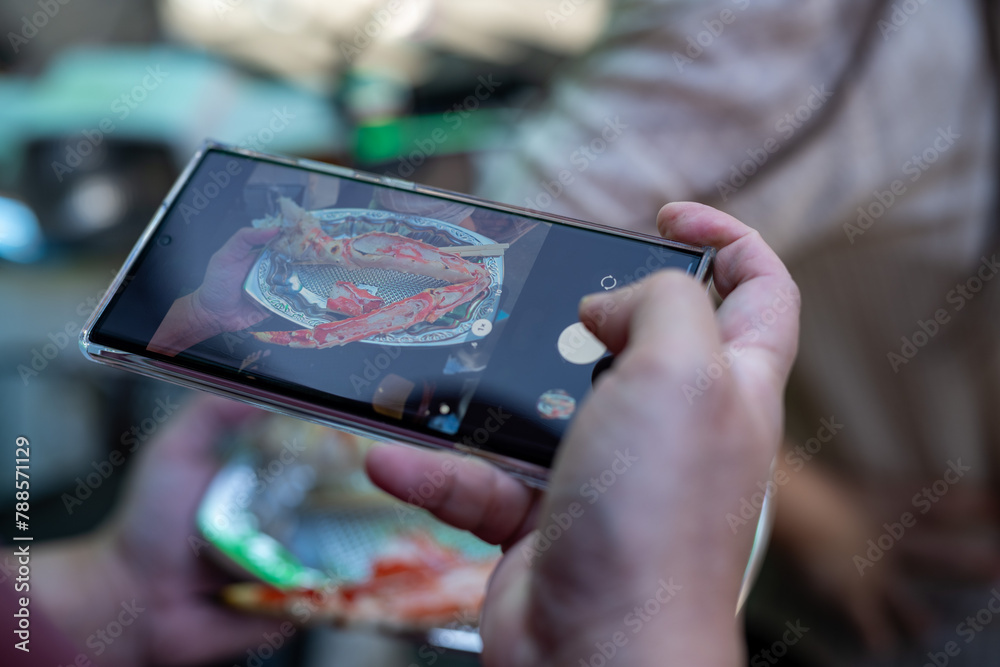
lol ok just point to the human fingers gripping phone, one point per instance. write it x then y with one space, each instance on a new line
372 304
577 583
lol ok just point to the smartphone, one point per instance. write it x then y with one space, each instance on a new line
372 304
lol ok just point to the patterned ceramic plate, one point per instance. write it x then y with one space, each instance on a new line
297 291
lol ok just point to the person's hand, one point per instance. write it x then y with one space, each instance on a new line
629 553
147 569
219 304
220 301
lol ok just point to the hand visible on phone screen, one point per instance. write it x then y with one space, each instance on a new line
637 557
220 299
219 304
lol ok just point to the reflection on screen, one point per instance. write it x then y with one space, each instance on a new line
451 318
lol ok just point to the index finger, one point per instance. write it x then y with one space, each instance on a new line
760 308
464 492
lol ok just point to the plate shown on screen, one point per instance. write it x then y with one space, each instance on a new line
297 292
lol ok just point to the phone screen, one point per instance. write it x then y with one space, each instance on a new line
442 316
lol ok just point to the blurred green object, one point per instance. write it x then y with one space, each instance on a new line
323 546
164 95
412 140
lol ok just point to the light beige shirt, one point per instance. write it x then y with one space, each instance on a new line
859 138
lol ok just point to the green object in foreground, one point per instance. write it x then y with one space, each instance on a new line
345 541
232 529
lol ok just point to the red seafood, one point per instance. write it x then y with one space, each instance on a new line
304 241
417 584
349 299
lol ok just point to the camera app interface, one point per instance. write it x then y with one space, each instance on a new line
439 316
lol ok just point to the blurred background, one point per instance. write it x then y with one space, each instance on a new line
103 102
858 136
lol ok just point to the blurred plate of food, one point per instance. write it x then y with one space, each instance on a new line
293 512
